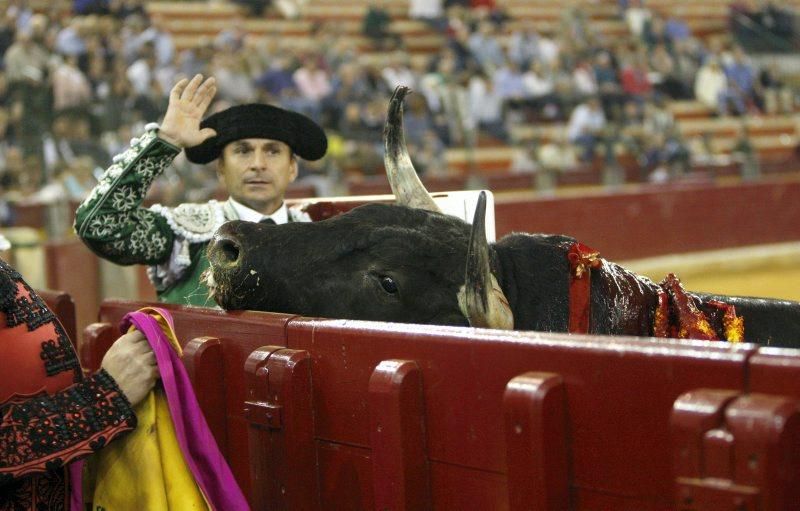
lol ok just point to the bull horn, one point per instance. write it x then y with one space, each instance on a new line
406 186
481 299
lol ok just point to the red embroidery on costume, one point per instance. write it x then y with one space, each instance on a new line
49 415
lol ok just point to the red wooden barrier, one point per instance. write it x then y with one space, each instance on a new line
618 434
400 471
281 429
72 267
535 409
651 221
510 181
30 215
327 414
64 308
370 185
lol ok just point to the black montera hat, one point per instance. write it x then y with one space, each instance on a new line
303 135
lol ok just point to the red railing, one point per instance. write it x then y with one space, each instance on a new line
326 414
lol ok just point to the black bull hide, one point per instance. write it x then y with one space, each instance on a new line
392 263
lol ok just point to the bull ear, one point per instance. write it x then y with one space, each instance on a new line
481 299
406 186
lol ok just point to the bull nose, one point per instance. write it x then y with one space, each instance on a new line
226 251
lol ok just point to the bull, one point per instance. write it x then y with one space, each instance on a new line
409 263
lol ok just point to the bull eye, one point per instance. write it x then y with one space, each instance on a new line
388 284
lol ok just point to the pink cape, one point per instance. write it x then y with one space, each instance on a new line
210 470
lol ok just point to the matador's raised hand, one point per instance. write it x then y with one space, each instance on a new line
188 102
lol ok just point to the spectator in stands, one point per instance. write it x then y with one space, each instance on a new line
314 85
152 102
703 150
255 8
485 47
574 26
686 66
655 34
291 9
557 155
585 126
608 86
159 36
143 71
348 86
45 395
7 32
21 13
429 11
349 125
115 104
70 39
278 81
741 82
431 154
234 83
525 159
675 27
71 138
657 117
549 49
232 37
375 26
397 71
122 9
256 149
196 60
667 78
744 152
540 86
584 80
486 101
87 7
634 77
509 82
538 80
417 120
454 98
711 85
26 66
636 15
677 153
71 88
523 47
777 96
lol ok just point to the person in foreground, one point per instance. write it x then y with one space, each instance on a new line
256 148
50 414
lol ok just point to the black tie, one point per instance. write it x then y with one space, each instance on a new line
267 220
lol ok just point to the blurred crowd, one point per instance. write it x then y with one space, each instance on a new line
75 89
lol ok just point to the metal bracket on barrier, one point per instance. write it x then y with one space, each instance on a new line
736 451
264 414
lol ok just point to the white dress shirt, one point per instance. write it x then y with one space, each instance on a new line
280 216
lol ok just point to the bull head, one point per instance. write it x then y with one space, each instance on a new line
379 262
481 299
